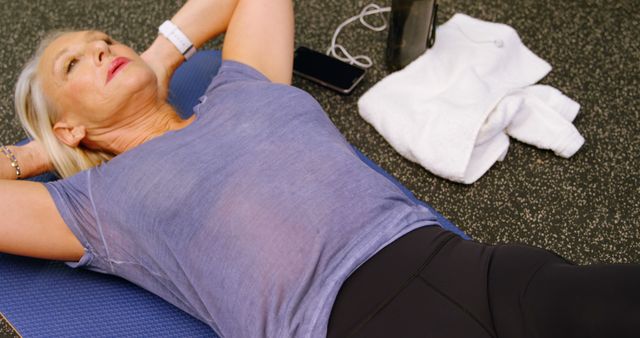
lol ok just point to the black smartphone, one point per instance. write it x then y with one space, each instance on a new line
326 70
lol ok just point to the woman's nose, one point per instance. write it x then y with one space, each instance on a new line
100 52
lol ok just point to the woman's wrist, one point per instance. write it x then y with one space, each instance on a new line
163 51
31 159
176 36
10 166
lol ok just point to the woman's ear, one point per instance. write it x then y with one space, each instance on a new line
69 134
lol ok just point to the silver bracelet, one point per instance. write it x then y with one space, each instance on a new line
14 162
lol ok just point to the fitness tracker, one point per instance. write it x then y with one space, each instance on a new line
170 31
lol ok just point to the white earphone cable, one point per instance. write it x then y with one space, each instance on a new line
360 60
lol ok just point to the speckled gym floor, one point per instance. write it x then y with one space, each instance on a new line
586 208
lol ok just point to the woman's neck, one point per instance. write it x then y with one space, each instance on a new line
137 129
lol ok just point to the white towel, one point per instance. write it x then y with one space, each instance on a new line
452 108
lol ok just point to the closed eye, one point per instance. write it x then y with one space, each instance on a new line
71 64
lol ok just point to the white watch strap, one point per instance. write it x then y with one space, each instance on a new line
178 38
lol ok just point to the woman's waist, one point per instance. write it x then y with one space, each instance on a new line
404 257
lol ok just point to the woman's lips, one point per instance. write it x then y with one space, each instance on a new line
116 65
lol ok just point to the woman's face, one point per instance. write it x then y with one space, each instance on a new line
95 81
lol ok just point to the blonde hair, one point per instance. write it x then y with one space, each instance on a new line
38 114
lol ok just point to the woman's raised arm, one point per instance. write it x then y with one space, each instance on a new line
30 224
261 34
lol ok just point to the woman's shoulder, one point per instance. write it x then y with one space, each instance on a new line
240 84
237 67
232 71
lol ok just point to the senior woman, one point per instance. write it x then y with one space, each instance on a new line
255 215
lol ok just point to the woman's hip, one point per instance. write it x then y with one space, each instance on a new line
432 283
429 263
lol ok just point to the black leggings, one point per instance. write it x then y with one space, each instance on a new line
431 283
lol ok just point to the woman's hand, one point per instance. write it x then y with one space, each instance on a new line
32 159
164 59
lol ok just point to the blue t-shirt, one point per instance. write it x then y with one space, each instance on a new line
249 219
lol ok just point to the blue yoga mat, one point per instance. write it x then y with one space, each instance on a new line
48 299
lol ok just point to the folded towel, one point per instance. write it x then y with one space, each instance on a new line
452 108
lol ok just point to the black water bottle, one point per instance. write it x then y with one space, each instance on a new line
412 29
